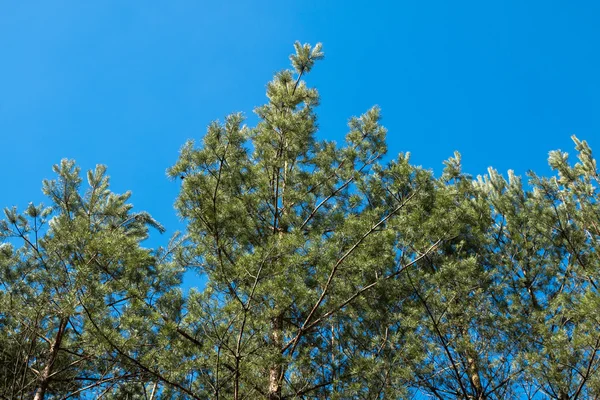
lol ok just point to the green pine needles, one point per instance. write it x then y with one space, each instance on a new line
331 274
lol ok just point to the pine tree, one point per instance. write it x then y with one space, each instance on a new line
460 330
65 271
547 241
294 236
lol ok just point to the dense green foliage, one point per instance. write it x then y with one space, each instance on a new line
333 272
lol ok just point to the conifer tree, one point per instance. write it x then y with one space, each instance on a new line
461 330
66 270
293 235
547 240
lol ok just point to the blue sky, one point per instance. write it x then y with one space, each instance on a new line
125 83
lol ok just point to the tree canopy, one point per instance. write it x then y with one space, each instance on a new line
334 271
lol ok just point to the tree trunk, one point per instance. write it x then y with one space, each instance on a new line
44 378
474 377
276 369
562 395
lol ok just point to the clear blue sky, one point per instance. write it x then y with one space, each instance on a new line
125 83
